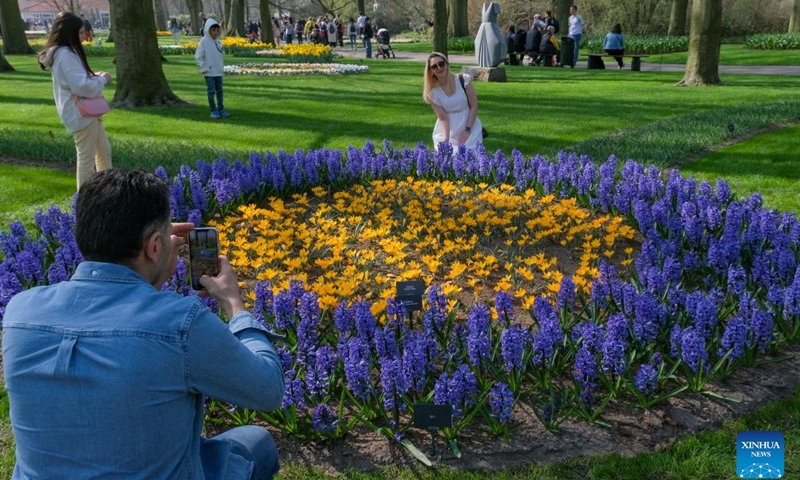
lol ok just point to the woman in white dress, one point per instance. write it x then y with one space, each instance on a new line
456 107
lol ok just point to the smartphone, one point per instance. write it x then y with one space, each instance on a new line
203 254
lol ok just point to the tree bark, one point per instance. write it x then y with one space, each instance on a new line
267 33
235 26
4 65
458 25
361 7
440 26
677 18
160 7
14 39
794 20
561 12
195 7
705 37
140 76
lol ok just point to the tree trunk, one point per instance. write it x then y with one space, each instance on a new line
14 39
677 18
267 33
458 20
361 7
4 65
705 37
561 12
195 7
140 75
160 7
440 26
235 26
794 20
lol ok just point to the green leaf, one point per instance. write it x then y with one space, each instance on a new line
415 451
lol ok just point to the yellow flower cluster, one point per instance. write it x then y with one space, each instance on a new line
477 239
229 42
308 49
163 32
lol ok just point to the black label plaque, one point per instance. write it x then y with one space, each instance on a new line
428 416
409 294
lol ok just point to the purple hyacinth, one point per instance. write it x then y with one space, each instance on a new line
365 321
294 394
791 297
436 314
458 390
693 349
504 305
512 346
324 419
418 350
396 313
263 300
649 317
393 382
284 310
566 294
734 338
307 328
737 279
549 335
478 342
647 379
386 343
344 318
357 359
615 345
585 370
321 366
501 402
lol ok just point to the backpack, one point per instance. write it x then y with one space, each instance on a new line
331 28
352 27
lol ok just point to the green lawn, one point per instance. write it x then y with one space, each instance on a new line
768 164
737 55
640 116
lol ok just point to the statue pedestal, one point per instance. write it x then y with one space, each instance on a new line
485 74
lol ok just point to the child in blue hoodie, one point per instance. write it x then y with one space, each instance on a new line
209 57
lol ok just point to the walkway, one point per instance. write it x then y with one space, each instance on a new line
646 67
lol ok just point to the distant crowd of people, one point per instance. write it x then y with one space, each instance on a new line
540 43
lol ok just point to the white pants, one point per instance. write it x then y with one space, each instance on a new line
94 150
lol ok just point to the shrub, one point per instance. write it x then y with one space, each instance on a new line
647 44
773 41
461 44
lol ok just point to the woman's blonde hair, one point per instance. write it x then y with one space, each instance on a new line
431 81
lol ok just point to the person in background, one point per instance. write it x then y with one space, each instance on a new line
202 23
511 45
367 37
352 32
362 20
107 374
532 42
614 44
88 33
175 28
299 30
549 48
576 26
210 58
550 20
455 104
64 57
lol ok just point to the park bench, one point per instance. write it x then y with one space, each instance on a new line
596 60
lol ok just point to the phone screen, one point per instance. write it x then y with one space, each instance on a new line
203 254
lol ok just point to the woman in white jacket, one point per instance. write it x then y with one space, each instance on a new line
64 56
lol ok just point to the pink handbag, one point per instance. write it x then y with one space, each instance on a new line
93 107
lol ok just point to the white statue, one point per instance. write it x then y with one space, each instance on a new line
490 45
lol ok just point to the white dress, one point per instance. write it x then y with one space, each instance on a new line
457 108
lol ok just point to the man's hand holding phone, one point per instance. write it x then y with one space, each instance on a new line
224 288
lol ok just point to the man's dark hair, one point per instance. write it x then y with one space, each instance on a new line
116 211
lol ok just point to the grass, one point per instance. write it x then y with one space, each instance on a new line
28 189
766 164
536 111
737 55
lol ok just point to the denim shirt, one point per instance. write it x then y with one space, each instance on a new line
106 377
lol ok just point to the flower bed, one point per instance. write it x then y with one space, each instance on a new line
715 286
294 69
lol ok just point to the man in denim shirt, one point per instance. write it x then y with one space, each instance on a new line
106 375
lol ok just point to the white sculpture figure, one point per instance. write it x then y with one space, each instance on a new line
490 45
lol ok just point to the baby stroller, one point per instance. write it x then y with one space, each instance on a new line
384 47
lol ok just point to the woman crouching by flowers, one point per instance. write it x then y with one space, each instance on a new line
455 103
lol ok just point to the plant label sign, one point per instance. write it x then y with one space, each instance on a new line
409 294
428 416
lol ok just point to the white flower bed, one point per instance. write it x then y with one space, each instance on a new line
294 69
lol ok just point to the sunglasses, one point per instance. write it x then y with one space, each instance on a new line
438 65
